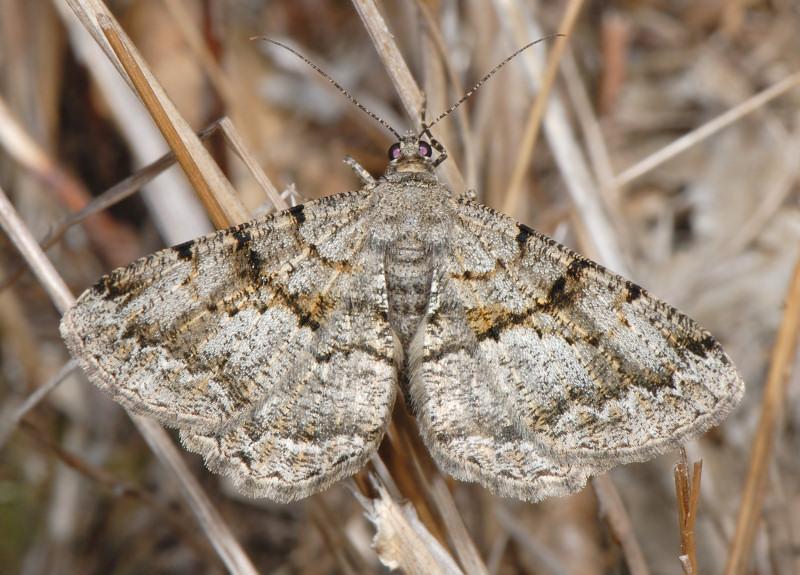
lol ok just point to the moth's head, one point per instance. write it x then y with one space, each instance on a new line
411 154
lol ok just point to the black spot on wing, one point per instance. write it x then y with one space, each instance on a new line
255 264
243 237
524 233
105 288
567 287
576 267
560 296
184 251
298 213
118 286
250 262
699 347
633 292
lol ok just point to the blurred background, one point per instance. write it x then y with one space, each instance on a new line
713 229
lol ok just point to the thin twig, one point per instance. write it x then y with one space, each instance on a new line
120 488
34 399
27 245
536 115
214 526
687 490
399 72
464 546
705 131
612 509
783 357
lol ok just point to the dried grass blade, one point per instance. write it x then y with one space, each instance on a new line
783 357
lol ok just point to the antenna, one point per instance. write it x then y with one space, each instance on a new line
321 72
425 126
486 77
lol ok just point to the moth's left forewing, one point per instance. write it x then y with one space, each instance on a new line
268 345
194 334
590 369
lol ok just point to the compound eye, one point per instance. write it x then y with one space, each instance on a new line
394 151
425 149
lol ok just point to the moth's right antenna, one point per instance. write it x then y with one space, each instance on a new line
486 77
333 82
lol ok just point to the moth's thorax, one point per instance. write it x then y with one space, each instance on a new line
411 205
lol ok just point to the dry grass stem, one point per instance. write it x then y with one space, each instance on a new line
412 97
687 490
236 141
706 130
214 527
189 163
411 469
543 559
26 244
198 165
534 121
612 510
466 138
600 241
463 546
596 147
110 36
402 541
33 400
348 559
772 405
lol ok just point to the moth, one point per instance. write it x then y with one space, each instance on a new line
279 347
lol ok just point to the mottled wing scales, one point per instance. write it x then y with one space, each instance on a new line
326 418
464 416
230 337
579 369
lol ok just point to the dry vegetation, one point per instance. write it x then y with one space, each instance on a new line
713 228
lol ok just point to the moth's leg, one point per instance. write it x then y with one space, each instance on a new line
363 174
290 195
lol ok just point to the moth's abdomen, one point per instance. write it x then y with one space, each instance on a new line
408 283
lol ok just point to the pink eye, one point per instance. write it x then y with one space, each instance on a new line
425 149
394 151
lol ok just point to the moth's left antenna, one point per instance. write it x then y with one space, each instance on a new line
333 82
